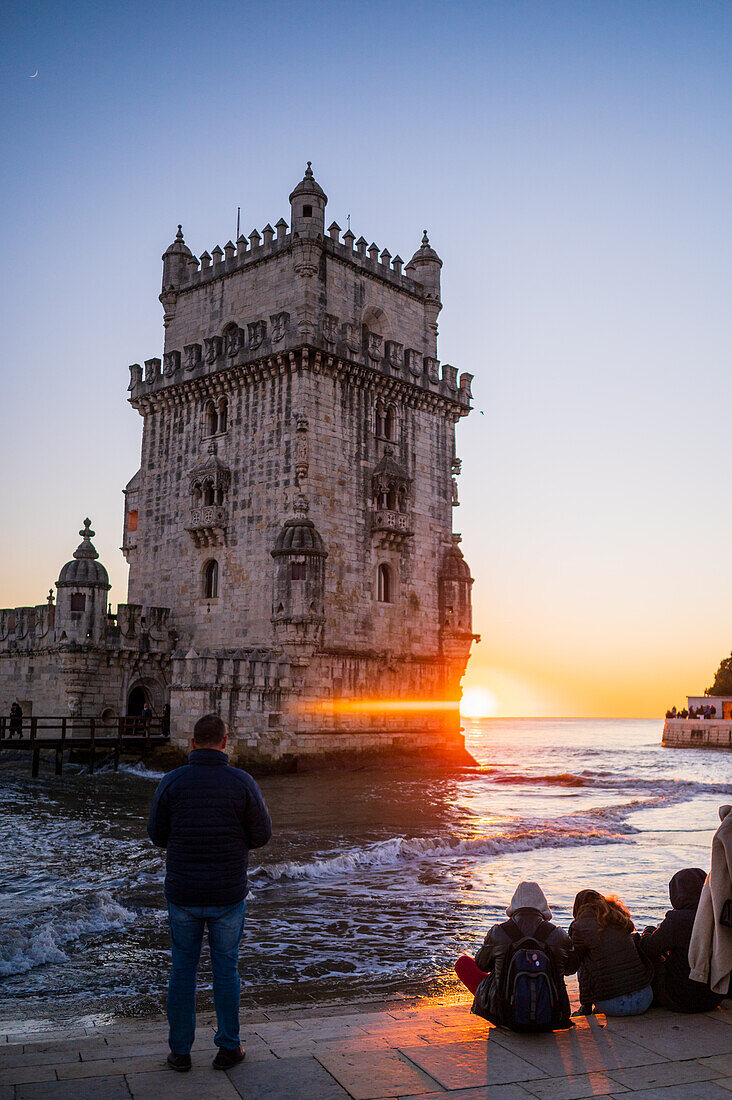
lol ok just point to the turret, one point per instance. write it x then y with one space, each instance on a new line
176 259
307 207
81 605
424 267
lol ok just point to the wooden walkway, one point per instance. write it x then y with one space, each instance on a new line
90 736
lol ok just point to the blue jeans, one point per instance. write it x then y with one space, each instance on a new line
627 1004
225 928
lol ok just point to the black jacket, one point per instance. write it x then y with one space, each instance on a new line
668 947
492 956
609 961
208 815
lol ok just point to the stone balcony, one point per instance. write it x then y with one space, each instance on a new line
390 528
208 524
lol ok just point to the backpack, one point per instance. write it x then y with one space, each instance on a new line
529 997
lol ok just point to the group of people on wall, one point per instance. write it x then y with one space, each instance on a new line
683 964
707 711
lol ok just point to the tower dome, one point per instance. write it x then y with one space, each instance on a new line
424 267
84 569
299 535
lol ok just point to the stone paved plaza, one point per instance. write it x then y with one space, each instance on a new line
424 1050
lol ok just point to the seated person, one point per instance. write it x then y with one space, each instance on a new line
509 981
612 975
668 948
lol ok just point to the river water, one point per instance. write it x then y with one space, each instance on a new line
375 879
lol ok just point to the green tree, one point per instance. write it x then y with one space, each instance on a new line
723 680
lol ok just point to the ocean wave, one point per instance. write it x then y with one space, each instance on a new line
23 948
141 771
683 788
400 849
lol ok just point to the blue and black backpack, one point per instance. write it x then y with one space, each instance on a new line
530 991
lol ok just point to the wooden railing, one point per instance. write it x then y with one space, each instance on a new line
87 734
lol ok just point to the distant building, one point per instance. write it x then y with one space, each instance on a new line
289 531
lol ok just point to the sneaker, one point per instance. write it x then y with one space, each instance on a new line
181 1062
227 1058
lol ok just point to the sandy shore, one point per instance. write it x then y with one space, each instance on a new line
382 1051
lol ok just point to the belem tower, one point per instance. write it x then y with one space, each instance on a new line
292 561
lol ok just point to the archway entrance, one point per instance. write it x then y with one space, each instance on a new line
136 701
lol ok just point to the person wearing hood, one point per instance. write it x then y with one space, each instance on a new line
530 913
668 948
612 975
710 949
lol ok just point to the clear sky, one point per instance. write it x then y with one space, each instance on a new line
572 164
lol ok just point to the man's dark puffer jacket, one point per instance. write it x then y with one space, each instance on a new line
208 815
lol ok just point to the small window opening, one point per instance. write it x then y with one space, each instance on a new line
78 601
223 414
208 493
211 579
384 588
307 211
390 424
132 520
298 570
210 418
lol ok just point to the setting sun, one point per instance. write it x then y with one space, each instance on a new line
478 702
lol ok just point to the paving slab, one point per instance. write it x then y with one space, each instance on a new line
470 1064
166 1084
372 1075
699 1090
721 1065
27 1074
484 1092
587 1048
688 1036
103 1088
574 1088
666 1073
285 1078
104 1067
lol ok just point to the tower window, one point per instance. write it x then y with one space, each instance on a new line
298 571
390 421
211 579
210 419
223 414
384 584
132 520
307 211
78 601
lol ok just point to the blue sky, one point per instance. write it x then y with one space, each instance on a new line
572 164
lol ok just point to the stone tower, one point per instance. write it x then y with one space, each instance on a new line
293 507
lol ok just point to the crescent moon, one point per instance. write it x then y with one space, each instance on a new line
34 74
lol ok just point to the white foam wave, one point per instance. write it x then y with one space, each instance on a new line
24 947
141 771
401 849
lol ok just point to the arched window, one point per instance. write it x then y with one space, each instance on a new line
211 579
391 500
223 414
390 424
210 419
208 493
384 584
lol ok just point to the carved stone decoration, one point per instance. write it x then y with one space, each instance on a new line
352 336
455 500
375 344
212 345
329 328
391 489
415 362
306 256
135 375
301 449
449 376
152 370
257 333
232 341
456 465
279 322
466 380
192 353
171 363
209 484
395 354
432 368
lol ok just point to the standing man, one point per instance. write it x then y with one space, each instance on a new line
208 815
16 720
